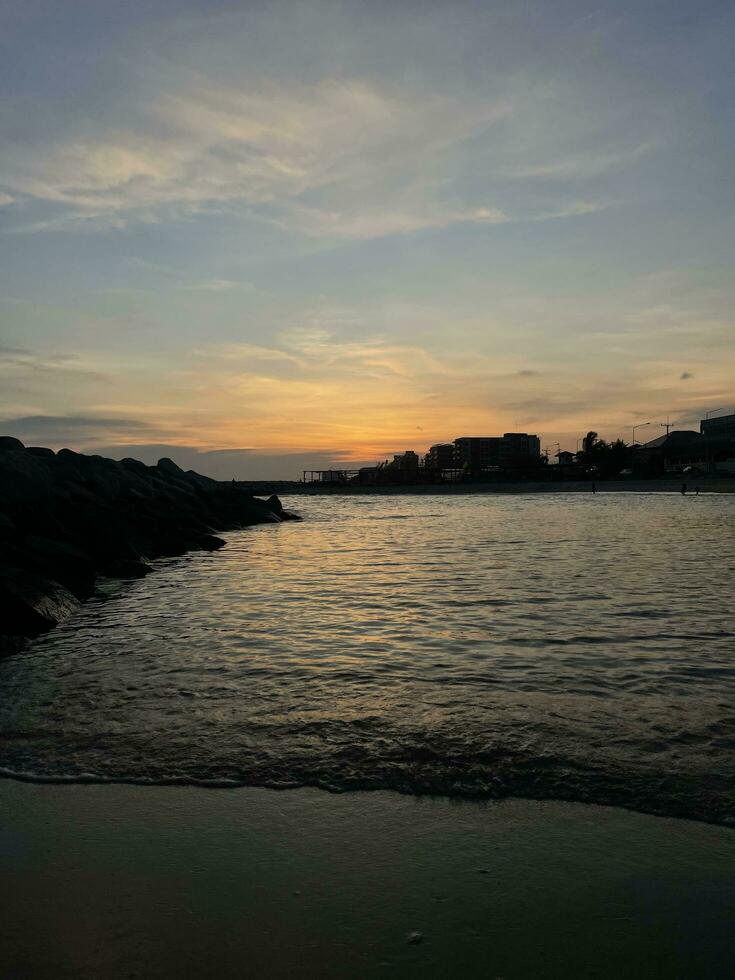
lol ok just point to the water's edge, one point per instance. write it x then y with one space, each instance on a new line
665 809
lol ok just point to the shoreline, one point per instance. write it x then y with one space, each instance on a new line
117 881
723 486
610 800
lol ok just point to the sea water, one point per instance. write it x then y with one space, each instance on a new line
577 647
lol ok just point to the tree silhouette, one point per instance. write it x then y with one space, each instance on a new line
608 458
588 443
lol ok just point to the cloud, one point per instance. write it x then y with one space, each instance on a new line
589 163
19 360
342 158
339 158
30 381
378 222
78 429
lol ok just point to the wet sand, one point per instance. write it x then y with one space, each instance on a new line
133 881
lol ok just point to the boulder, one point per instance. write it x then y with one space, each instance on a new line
69 455
198 480
8 443
168 466
134 464
30 604
122 568
64 563
8 530
66 517
25 480
210 542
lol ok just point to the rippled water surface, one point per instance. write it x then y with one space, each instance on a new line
569 646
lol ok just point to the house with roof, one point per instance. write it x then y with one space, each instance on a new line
673 452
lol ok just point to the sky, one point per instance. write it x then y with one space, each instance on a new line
263 237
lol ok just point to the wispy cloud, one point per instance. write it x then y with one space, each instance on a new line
20 359
345 158
588 163
27 377
343 142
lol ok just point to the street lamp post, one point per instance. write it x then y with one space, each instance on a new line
638 425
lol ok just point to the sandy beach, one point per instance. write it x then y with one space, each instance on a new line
121 881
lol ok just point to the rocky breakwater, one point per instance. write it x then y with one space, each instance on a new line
67 518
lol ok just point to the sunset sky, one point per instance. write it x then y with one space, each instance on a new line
261 237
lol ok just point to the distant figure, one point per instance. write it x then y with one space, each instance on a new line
696 491
594 488
234 484
683 489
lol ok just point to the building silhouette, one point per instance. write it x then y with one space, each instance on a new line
719 441
476 453
509 451
405 462
719 427
440 457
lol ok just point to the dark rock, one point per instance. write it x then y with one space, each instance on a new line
67 517
122 568
30 604
168 466
8 530
8 443
82 495
64 563
134 464
210 542
198 479
259 515
25 480
40 451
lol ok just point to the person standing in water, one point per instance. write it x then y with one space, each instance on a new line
683 489
594 488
